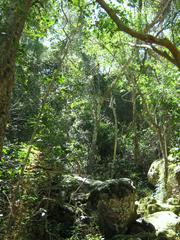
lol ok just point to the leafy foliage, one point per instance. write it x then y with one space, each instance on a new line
73 68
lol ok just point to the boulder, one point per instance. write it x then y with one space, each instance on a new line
177 174
149 205
155 175
154 172
113 205
76 188
141 226
54 217
166 224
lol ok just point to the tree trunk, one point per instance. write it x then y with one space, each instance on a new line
93 150
135 127
115 135
10 33
162 137
163 144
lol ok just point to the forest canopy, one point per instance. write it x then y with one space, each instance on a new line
88 95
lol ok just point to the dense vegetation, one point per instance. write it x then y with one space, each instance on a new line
87 88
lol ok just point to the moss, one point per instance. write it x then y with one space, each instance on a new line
152 208
110 188
113 202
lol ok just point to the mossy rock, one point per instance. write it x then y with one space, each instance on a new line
155 175
149 205
154 172
113 204
173 201
145 205
75 187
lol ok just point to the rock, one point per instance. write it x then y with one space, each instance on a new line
149 205
155 175
141 226
177 173
87 183
145 204
166 224
154 172
157 207
173 201
174 205
152 208
57 219
113 204
76 188
139 236
62 216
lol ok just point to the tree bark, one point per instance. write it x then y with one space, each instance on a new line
91 165
150 39
135 125
10 33
113 107
163 144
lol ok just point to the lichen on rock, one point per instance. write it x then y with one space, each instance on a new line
113 203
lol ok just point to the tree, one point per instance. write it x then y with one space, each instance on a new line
88 100
12 25
158 93
147 38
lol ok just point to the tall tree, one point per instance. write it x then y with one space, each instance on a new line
15 13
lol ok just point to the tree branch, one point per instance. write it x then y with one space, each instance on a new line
165 55
150 39
159 16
